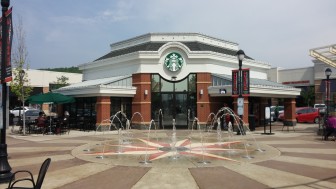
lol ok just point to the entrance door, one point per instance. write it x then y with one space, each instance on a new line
181 110
175 106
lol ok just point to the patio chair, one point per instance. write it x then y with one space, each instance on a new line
64 126
39 181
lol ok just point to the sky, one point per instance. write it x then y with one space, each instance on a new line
65 33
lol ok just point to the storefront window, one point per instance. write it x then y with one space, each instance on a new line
120 107
82 113
167 86
156 85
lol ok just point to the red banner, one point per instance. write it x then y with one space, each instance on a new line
9 39
235 78
246 82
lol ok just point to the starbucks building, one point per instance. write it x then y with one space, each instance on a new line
181 76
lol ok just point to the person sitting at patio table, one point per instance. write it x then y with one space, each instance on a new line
331 126
41 120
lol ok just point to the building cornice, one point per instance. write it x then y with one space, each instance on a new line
171 37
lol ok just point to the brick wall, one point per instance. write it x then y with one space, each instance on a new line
141 101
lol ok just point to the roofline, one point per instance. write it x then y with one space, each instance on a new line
149 37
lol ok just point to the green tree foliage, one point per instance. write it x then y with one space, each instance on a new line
61 82
64 69
20 86
308 95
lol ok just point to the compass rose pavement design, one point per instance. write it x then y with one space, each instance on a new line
158 150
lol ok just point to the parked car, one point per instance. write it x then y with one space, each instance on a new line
281 110
322 107
19 110
31 115
305 114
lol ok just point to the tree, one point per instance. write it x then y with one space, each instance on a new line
61 82
20 88
308 95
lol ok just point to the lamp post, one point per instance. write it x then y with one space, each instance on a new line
240 55
5 169
21 75
327 73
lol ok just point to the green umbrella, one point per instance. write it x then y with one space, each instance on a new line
54 98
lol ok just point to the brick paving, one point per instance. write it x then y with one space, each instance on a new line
297 159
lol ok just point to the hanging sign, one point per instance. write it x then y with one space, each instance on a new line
235 77
9 39
246 82
1 109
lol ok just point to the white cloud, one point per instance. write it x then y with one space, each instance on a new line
274 31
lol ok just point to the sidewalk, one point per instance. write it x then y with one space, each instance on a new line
297 159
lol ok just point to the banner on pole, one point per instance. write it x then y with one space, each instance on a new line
246 82
235 87
9 40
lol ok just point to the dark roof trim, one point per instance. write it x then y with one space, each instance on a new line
155 46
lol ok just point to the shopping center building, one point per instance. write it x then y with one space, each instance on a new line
178 75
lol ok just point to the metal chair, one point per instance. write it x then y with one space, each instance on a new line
39 181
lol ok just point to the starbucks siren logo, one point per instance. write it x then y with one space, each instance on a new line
173 62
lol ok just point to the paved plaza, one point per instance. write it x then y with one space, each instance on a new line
291 159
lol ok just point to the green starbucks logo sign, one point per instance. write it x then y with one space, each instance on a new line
173 61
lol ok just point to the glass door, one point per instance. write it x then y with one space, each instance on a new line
167 108
181 113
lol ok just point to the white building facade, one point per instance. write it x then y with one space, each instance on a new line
177 75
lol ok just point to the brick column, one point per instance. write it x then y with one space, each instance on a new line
290 113
45 107
203 100
246 110
103 108
142 101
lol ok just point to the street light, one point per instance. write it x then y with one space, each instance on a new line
328 73
21 75
240 55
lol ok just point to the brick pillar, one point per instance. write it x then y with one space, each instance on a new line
45 107
103 108
290 113
142 100
246 110
203 100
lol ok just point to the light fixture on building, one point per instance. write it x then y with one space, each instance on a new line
201 92
173 78
146 92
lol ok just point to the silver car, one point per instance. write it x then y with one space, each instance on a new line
19 110
281 110
31 115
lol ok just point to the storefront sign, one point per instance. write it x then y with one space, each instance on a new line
173 62
222 91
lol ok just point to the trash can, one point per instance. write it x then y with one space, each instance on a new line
251 120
